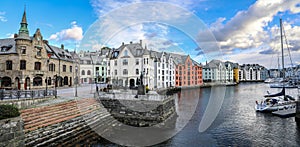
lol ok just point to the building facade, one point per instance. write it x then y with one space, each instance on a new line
252 72
29 62
188 72
218 71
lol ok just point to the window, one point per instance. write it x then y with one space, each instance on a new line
125 62
39 52
51 67
108 72
88 72
125 53
137 71
108 63
137 61
116 62
9 65
22 65
64 68
125 72
71 69
23 49
147 60
37 65
144 61
37 81
82 72
116 72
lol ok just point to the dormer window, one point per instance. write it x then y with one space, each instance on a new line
5 48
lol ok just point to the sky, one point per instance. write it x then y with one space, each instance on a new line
238 31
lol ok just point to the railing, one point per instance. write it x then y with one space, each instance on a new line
21 94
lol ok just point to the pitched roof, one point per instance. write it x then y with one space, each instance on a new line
8 46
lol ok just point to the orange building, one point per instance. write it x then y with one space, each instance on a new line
188 72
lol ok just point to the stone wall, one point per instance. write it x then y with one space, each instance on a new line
140 113
11 132
26 102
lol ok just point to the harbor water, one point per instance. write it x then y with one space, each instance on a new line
237 123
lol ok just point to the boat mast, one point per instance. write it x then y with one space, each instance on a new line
281 38
283 72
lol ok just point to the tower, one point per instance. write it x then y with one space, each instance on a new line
23 31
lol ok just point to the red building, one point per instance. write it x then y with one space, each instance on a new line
188 72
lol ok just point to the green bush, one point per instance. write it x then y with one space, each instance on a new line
8 111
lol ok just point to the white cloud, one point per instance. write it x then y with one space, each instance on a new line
102 7
247 28
118 23
2 17
75 33
250 30
10 35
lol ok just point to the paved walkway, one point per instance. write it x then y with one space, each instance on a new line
67 94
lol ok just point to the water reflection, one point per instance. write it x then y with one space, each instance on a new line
237 124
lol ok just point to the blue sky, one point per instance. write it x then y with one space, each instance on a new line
242 31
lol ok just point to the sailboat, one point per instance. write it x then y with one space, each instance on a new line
278 101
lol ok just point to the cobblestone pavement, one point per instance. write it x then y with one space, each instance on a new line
67 94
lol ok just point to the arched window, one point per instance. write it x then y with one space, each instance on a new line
6 82
37 81
88 72
82 72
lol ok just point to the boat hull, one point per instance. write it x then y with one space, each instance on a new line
270 108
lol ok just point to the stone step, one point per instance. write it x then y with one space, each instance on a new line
54 120
56 112
46 109
59 114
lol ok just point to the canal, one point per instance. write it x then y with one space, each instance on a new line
236 124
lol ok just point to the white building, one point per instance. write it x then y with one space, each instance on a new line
252 72
129 61
165 70
217 71
92 67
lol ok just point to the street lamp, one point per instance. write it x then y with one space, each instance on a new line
76 80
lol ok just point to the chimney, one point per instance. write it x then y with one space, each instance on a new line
62 46
15 35
141 43
130 42
122 43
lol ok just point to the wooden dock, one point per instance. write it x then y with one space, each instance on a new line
285 112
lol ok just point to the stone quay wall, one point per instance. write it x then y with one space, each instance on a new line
11 132
26 103
140 112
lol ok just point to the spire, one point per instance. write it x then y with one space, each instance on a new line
23 31
24 18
